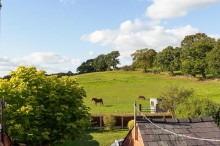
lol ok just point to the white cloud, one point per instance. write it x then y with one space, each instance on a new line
48 61
138 34
132 36
165 9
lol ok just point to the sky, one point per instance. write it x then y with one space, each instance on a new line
58 35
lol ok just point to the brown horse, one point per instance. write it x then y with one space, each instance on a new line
97 100
141 97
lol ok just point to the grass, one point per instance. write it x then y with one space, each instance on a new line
98 138
119 89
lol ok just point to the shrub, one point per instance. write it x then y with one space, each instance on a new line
109 122
173 96
130 124
199 108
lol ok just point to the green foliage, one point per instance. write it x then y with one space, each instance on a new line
144 58
43 109
197 107
130 124
168 59
86 67
112 59
193 54
213 60
109 122
100 63
173 96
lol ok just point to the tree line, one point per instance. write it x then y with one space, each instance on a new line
100 63
198 54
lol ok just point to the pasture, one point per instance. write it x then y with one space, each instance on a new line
119 89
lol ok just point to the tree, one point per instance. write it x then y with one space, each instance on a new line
168 59
100 63
173 96
193 54
143 58
43 109
112 60
86 67
213 59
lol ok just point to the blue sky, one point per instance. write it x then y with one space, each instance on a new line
58 35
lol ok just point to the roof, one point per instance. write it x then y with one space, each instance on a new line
179 132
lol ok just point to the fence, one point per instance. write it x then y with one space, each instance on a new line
121 121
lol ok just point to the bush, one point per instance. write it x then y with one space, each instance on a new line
109 122
130 124
199 108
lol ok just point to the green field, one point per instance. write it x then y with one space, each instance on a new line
119 89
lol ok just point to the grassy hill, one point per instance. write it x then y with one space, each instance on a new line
119 89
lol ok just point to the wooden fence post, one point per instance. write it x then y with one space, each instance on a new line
100 122
122 122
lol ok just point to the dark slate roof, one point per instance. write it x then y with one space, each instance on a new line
193 127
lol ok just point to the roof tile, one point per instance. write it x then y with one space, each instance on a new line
193 130
157 131
196 120
171 120
146 138
195 127
168 126
190 142
148 131
150 126
171 143
184 131
164 137
207 119
181 143
184 120
154 137
172 137
200 142
217 143
153 144
163 143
